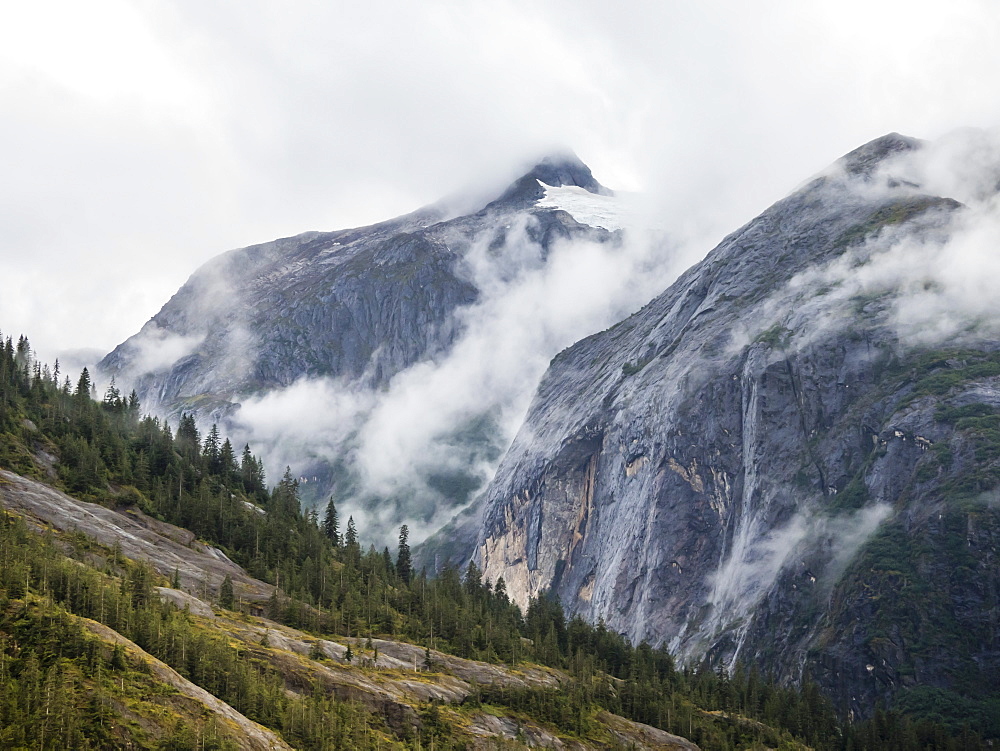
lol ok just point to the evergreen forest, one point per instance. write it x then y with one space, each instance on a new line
68 680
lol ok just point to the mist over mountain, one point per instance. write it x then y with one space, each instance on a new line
790 457
786 458
390 365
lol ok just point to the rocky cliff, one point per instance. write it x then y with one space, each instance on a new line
331 351
790 457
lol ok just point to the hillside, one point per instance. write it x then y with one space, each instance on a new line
353 651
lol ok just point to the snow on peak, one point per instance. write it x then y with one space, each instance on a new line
585 207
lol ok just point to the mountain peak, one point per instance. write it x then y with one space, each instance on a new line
865 159
562 169
559 169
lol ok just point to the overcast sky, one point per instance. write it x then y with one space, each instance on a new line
138 139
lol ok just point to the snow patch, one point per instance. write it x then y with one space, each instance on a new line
604 212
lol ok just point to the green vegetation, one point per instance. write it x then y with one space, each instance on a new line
631 368
904 574
978 425
60 687
327 583
971 456
776 337
889 215
40 587
936 372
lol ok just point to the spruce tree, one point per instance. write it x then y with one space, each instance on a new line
188 439
112 397
227 461
473 580
331 527
285 497
211 450
248 470
404 568
133 402
351 538
274 606
83 385
227 597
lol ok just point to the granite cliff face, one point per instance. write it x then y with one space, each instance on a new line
783 458
325 351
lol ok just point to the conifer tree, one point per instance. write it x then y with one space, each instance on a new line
118 658
112 397
286 495
188 440
274 605
351 538
83 384
211 450
331 526
133 403
250 472
227 461
404 567
473 580
227 597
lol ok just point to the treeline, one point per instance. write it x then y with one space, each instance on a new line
328 583
57 683
104 450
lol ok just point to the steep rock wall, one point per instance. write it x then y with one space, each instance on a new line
738 469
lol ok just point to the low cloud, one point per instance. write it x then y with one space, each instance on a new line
454 415
760 553
121 178
931 279
158 349
418 448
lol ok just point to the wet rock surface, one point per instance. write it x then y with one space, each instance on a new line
738 468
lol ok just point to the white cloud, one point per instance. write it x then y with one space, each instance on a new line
157 349
758 555
935 276
140 139
403 439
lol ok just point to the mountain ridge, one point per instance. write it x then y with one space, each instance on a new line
349 316
403 242
691 474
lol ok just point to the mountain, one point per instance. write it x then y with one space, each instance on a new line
359 304
789 458
301 345
154 594
121 629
